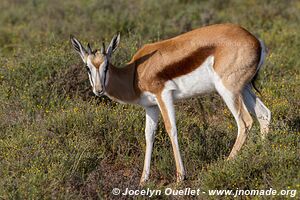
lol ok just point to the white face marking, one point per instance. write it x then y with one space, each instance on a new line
197 82
95 77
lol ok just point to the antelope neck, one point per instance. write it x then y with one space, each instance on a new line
121 83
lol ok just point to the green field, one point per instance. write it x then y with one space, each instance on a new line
59 141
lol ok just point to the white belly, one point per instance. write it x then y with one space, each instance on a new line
197 82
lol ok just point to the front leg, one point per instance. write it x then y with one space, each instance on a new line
151 126
165 102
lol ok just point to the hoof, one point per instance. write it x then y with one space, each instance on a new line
143 182
230 158
232 154
180 177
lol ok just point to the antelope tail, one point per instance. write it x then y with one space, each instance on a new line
263 53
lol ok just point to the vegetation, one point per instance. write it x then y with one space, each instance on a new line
57 140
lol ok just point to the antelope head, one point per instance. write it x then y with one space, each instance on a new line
96 62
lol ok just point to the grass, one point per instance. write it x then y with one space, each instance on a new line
59 141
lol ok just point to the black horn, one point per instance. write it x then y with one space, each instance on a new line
89 49
103 48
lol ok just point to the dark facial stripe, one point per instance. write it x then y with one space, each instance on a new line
88 69
90 74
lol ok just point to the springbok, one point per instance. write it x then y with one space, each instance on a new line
224 58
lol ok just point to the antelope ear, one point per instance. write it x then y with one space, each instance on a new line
79 48
113 44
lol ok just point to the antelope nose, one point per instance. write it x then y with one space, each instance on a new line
97 89
98 92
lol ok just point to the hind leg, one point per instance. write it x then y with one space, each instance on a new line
258 109
236 105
